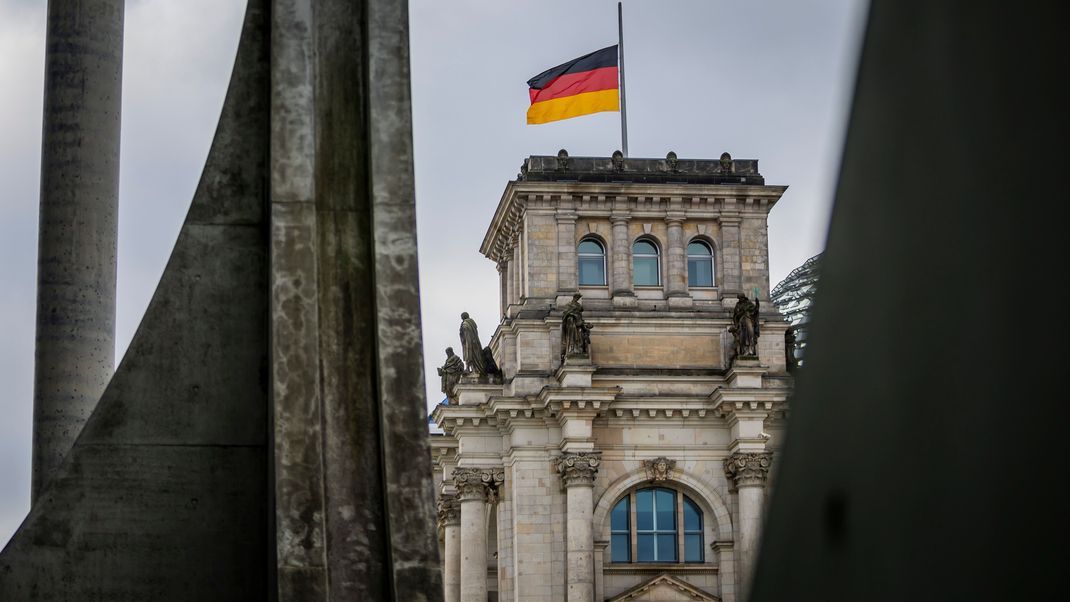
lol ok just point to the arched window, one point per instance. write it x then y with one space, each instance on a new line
699 264
592 263
656 524
646 269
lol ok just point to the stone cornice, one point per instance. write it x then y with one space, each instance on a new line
578 468
449 510
748 469
478 483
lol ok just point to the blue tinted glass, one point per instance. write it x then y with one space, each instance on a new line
697 248
590 246
665 504
592 271
621 551
646 271
666 548
692 516
644 510
693 548
645 548
619 519
642 247
699 272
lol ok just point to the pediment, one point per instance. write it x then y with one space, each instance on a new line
663 588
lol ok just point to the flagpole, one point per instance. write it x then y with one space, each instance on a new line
620 60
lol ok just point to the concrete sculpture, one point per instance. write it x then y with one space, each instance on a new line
257 441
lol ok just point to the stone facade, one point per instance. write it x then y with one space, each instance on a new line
658 404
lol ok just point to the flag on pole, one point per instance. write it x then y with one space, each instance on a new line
581 86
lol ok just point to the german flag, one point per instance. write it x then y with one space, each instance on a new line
579 87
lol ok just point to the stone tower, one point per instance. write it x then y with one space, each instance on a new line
658 407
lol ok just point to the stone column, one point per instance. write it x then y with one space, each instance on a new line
730 255
677 262
622 273
78 224
475 487
577 472
748 470
567 277
503 286
518 269
449 519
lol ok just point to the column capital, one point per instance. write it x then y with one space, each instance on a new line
578 468
748 469
619 218
449 510
478 483
675 219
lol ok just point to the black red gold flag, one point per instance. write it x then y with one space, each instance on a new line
581 86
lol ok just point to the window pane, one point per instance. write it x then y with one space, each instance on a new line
692 516
699 272
697 248
643 247
592 272
665 504
645 548
644 510
621 551
692 547
619 519
646 271
666 548
590 246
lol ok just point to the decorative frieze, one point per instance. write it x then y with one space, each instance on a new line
748 469
578 468
449 510
659 469
478 483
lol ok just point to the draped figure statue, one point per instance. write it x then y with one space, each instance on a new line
575 332
471 348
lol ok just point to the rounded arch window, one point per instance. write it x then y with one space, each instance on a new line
592 262
656 524
699 264
646 268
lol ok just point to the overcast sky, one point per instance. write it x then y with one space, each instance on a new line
767 80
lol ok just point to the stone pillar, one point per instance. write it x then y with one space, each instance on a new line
475 487
518 269
449 519
676 263
730 256
503 286
567 276
748 470
78 226
622 273
577 472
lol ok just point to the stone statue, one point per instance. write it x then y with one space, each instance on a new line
489 363
789 349
745 326
450 372
575 332
471 348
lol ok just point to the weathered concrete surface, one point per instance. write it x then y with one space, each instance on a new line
927 441
165 494
354 504
75 353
